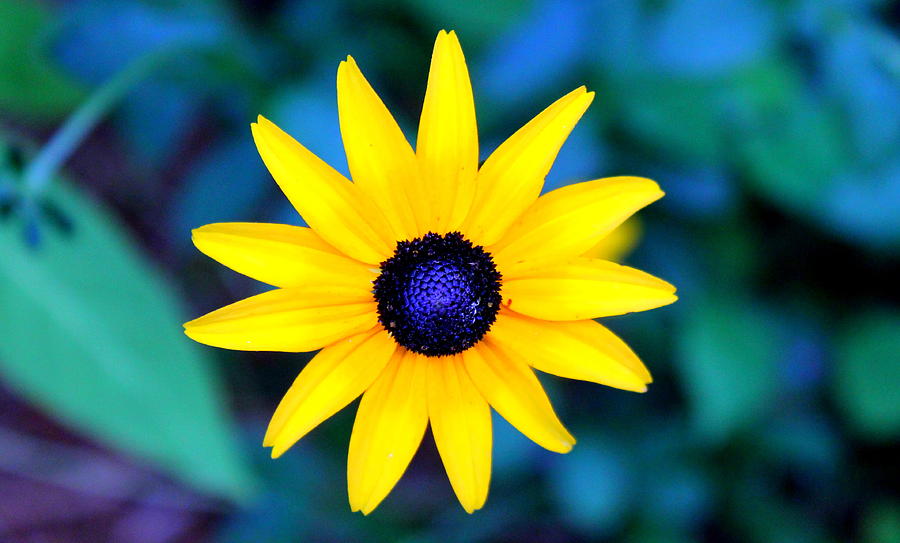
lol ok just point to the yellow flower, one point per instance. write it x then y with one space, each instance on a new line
432 287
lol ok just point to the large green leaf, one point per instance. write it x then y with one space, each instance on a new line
92 333
867 373
29 83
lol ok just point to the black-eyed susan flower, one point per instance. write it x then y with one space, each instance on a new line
432 286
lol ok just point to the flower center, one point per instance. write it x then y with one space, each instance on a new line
438 295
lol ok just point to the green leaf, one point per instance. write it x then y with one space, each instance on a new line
867 373
92 333
727 356
30 85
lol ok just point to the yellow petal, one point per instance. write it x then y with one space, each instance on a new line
328 202
461 424
585 289
447 146
280 255
511 388
568 221
390 423
619 243
583 350
511 178
290 320
382 163
336 376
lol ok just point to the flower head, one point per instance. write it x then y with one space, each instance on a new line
432 286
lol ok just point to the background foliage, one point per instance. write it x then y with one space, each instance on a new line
773 126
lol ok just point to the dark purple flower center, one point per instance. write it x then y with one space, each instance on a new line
438 295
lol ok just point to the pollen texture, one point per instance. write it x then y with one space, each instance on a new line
438 295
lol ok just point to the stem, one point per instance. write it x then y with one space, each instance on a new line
41 170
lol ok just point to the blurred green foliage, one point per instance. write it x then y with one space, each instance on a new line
774 128
91 332
32 84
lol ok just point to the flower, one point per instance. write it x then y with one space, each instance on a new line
432 286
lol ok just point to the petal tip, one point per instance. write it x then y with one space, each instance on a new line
277 452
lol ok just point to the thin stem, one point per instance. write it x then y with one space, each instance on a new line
41 170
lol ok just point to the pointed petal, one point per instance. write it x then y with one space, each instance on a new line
280 255
328 202
568 221
382 163
447 146
583 350
510 386
389 427
336 376
511 178
461 424
585 289
290 320
616 245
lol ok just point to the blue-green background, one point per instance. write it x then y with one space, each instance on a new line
773 126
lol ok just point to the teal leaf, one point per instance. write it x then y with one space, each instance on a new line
675 117
92 334
593 487
793 157
881 523
727 358
477 21
867 373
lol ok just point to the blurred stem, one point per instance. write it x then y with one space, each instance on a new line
44 166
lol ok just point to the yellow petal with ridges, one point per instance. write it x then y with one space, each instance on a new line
389 427
280 255
329 203
511 178
583 350
461 424
382 163
568 221
447 145
511 387
584 289
336 376
291 320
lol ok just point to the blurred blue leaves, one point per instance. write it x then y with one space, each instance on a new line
864 89
706 193
552 41
227 183
156 118
582 156
708 38
98 38
308 110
